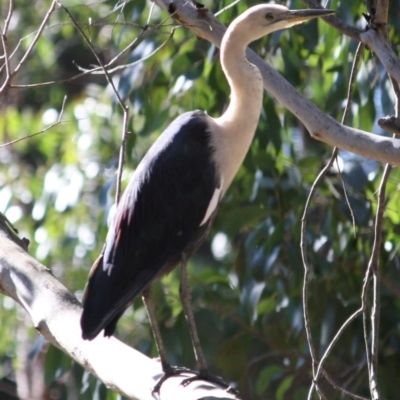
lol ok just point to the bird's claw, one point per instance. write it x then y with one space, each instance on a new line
168 372
205 375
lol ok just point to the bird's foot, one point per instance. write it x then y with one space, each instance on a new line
205 375
168 372
202 375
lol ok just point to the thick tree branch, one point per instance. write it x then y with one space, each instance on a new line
55 313
378 44
320 125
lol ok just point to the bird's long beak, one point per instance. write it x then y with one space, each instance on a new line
297 16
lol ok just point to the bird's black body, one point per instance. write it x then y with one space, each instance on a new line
159 218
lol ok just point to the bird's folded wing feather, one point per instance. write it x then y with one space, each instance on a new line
165 210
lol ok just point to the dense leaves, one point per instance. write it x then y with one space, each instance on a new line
58 187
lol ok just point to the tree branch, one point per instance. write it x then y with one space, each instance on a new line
28 52
303 244
320 125
381 15
55 313
377 43
336 22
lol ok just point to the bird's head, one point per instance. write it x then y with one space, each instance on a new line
260 20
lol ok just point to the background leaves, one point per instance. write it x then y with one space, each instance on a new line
58 188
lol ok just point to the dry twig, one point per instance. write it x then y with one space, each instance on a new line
317 371
123 106
59 121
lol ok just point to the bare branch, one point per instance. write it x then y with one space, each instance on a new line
99 71
123 106
39 32
335 340
316 373
6 63
233 4
341 389
121 158
89 43
59 121
85 72
55 313
303 248
320 125
376 42
8 18
373 265
5 55
353 74
36 38
381 14
374 268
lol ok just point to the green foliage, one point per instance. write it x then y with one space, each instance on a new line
58 187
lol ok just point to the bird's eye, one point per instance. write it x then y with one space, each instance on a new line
270 16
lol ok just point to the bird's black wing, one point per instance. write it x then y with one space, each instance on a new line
160 216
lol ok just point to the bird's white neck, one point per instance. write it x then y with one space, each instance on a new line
239 122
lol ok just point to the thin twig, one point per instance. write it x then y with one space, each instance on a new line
335 340
28 52
374 268
346 197
8 18
314 385
364 305
396 89
350 93
227 7
121 158
123 106
135 42
59 121
36 38
99 70
150 13
89 43
85 25
306 315
341 389
14 52
6 63
5 48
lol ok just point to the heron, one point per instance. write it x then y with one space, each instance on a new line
172 198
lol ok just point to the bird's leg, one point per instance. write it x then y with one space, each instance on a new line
186 299
149 305
166 366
